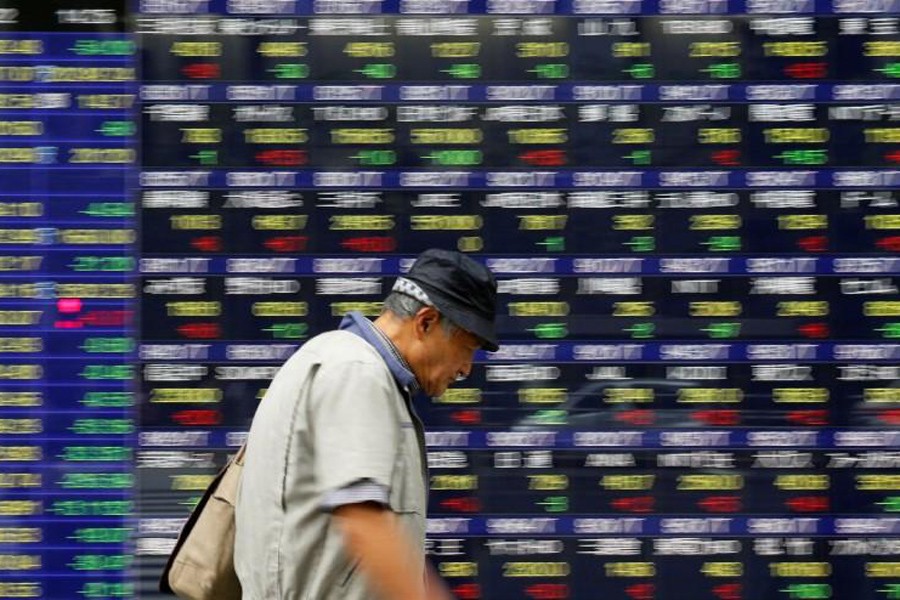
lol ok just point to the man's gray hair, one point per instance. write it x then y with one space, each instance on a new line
406 307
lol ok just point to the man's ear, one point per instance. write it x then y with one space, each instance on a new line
427 318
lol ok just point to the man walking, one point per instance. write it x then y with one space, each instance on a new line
333 497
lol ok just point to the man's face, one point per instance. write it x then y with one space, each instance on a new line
444 357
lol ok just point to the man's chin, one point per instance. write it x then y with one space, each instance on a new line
438 392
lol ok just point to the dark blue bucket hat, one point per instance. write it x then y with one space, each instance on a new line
464 290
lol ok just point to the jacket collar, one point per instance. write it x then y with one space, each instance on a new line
356 323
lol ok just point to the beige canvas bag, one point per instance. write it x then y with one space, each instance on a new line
201 566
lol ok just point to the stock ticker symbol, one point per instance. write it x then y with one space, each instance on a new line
282 158
807 70
638 417
549 331
807 504
890 243
720 504
287 243
467 591
813 243
197 418
207 243
641 243
725 418
727 158
200 331
464 504
463 70
548 591
544 158
107 318
641 591
723 243
814 330
69 305
117 128
554 504
891 591
370 244
808 591
202 71
287 331
809 418
890 70
209 158
889 330
890 504
641 330
725 70
466 417
728 591
889 417
290 71
634 504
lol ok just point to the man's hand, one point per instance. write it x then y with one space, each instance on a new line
435 588
376 539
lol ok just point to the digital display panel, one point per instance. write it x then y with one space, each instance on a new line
691 207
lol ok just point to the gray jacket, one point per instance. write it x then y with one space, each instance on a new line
332 416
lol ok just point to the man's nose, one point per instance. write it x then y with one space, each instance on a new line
464 370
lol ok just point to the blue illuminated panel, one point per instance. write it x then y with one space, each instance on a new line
68 301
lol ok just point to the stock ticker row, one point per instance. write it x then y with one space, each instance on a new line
691 207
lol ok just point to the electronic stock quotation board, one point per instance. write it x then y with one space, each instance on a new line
690 205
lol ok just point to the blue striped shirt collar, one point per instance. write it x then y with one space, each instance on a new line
355 322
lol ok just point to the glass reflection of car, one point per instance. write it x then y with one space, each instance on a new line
875 406
660 403
589 408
